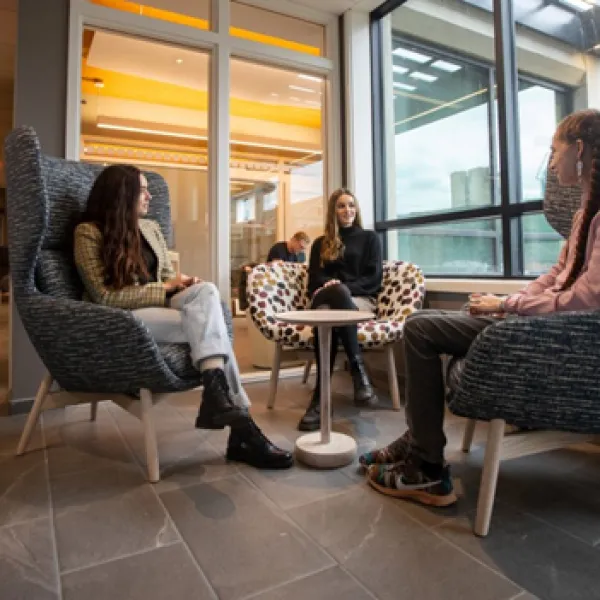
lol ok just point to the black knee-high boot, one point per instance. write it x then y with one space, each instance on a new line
364 395
311 421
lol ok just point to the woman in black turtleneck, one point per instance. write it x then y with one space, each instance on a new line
345 272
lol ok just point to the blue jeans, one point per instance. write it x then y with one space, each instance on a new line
195 317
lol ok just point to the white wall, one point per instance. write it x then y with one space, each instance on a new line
359 155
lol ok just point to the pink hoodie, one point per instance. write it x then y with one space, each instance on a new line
543 296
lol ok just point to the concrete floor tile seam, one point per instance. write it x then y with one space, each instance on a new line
435 531
288 582
51 511
114 559
168 515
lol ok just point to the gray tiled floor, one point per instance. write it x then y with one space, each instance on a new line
78 521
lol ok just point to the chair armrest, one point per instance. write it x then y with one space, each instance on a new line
90 347
535 371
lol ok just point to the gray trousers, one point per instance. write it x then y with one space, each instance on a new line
195 317
427 335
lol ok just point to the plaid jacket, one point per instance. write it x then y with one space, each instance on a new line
88 259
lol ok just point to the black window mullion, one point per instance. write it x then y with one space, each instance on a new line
517 245
508 121
485 212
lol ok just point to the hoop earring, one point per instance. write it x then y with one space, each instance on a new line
579 167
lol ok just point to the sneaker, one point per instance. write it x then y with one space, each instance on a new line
414 479
396 452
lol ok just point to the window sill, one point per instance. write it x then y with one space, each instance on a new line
469 286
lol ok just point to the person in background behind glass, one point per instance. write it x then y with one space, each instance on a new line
290 251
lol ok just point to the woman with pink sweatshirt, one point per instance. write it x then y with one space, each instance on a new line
413 466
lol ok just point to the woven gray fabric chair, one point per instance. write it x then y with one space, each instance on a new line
92 352
538 374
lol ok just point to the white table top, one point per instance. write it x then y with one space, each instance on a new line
325 317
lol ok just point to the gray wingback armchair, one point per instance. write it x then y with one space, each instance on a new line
539 374
92 352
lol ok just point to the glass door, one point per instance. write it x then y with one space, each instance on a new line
276 179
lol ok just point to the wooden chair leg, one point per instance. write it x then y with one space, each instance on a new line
34 413
468 435
489 477
307 369
93 410
274 376
393 377
149 436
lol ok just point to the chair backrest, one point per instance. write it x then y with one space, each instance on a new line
560 203
402 290
278 288
45 199
282 287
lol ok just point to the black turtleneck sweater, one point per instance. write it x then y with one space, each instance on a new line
360 267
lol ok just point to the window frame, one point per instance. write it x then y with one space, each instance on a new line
504 141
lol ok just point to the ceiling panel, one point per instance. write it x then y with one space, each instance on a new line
188 68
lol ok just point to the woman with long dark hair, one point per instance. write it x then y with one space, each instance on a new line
413 466
345 272
123 261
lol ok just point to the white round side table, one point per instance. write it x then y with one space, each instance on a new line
325 449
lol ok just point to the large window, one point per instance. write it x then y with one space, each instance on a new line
442 197
435 100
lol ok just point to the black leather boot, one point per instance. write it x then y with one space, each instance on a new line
248 444
311 421
217 408
364 394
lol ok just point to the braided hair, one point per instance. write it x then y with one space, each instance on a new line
584 125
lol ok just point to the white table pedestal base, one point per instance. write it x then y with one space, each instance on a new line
338 452
325 449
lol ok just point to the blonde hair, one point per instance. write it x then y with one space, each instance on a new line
332 247
301 236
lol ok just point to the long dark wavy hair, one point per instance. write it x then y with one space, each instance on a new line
332 247
584 125
113 206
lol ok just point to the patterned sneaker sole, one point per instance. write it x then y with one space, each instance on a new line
421 496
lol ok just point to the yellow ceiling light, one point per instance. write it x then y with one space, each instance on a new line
141 89
167 130
154 13
173 17
150 128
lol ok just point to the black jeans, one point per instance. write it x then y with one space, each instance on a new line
428 334
337 297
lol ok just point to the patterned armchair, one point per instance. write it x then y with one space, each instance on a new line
92 352
539 374
283 287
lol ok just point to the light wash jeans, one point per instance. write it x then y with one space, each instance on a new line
195 317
